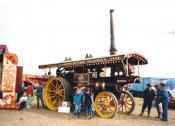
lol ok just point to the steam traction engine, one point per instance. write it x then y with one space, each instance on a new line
106 77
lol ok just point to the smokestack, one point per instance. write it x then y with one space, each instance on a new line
113 49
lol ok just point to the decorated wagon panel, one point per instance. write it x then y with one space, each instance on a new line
8 80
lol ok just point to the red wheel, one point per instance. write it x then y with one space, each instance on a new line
126 103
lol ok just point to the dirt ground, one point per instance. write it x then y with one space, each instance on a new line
44 117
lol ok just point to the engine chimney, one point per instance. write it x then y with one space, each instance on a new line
113 49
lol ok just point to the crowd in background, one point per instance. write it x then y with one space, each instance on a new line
25 95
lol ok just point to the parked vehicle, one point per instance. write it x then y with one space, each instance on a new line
137 89
171 94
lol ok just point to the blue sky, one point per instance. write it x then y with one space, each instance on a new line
46 31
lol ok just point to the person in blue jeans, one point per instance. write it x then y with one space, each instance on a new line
77 98
165 100
40 95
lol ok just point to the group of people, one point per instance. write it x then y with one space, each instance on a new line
160 95
25 95
83 97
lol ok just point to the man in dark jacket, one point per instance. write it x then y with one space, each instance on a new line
148 97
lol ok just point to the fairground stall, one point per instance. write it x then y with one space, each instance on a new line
10 78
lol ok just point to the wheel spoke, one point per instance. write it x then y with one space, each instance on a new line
125 107
56 85
59 87
53 85
129 100
119 106
128 103
55 101
110 110
51 91
128 107
60 91
61 95
51 97
59 99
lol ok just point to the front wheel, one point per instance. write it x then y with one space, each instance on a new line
106 104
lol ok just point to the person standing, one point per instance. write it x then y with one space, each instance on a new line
21 90
77 98
148 97
165 100
29 91
40 95
158 101
88 103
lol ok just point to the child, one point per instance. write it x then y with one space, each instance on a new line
88 103
22 101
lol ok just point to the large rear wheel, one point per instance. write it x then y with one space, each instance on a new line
126 103
106 104
56 90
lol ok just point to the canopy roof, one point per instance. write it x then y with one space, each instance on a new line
133 58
